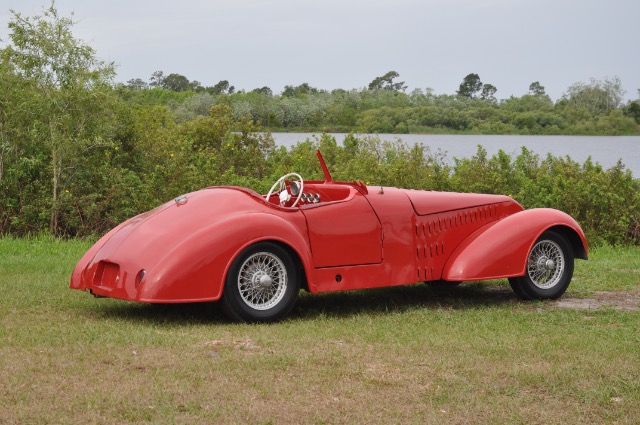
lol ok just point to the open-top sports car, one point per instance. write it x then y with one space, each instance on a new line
254 252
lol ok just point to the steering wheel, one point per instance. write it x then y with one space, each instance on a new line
285 196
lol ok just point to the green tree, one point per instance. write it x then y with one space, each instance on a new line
156 80
263 90
302 89
470 86
536 89
633 110
222 87
599 96
385 82
11 90
488 92
69 106
137 84
177 82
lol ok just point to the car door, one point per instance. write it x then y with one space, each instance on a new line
344 233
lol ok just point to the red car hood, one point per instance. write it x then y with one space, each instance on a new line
425 203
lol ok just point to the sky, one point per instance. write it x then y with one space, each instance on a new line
332 44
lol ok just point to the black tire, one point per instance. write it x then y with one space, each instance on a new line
549 269
262 284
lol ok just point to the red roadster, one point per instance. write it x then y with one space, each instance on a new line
254 252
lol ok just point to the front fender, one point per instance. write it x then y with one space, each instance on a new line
196 269
500 249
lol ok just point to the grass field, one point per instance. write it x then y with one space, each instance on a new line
474 354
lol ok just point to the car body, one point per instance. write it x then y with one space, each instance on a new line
254 252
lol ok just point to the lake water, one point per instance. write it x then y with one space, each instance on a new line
606 150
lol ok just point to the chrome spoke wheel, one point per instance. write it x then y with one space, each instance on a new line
262 280
262 284
549 269
546 264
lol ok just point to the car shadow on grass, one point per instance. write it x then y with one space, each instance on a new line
405 298
156 314
336 304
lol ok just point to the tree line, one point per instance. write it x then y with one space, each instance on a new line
384 106
79 153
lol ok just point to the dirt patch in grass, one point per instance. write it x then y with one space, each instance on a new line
618 300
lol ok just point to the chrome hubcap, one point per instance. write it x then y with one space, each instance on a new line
262 280
545 263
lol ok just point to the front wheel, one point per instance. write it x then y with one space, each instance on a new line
262 284
549 269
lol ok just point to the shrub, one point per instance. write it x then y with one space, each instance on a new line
146 167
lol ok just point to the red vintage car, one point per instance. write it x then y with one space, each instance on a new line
254 252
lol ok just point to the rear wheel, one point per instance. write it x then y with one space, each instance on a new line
549 269
262 284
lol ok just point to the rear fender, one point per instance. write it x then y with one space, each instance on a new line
77 280
500 249
197 268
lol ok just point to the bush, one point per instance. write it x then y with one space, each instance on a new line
606 203
148 166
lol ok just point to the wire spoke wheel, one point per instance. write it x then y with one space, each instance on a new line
546 264
262 280
549 269
262 284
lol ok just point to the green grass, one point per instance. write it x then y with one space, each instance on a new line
474 354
